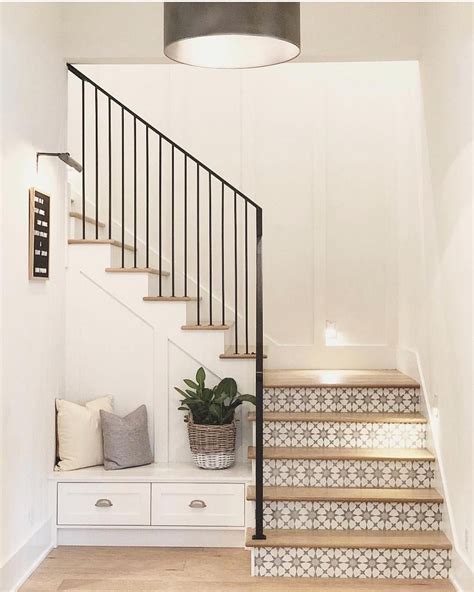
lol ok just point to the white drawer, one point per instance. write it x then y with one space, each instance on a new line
198 504
104 504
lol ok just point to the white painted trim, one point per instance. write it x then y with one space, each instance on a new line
136 537
22 563
409 362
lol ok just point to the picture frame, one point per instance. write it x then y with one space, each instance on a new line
39 234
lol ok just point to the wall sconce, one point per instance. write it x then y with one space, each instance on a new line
64 156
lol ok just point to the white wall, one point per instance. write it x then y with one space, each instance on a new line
33 115
317 151
435 257
133 32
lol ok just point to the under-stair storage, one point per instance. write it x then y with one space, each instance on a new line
104 504
198 504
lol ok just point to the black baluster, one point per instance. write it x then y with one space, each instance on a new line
96 165
236 346
123 188
110 169
160 184
197 253
246 281
83 161
135 192
210 249
147 262
222 255
172 220
185 225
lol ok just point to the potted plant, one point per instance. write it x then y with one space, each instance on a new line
211 420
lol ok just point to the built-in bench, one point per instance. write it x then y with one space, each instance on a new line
159 504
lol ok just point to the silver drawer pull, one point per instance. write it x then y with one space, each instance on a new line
103 503
197 504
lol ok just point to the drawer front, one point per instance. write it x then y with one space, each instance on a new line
104 504
198 504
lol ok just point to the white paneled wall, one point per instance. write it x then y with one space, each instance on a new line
314 145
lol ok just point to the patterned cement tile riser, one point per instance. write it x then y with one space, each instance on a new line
348 473
331 515
351 563
328 434
343 399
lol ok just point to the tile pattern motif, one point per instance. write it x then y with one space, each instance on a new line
348 473
329 434
342 399
330 515
351 563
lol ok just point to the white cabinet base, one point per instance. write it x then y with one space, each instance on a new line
161 505
151 537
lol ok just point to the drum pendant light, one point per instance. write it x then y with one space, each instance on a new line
231 34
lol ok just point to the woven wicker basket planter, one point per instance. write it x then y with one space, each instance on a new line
212 446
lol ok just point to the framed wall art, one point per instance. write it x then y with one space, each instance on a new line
39 240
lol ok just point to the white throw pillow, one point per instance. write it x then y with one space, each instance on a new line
80 433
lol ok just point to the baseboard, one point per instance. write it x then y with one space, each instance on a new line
18 568
134 537
461 576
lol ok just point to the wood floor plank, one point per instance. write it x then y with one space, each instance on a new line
346 494
412 418
158 569
366 539
344 453
327 378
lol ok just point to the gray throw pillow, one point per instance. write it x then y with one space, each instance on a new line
126 441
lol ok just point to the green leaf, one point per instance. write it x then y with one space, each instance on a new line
191 384
229 386
201 377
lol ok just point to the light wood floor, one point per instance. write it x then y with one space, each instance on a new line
137 569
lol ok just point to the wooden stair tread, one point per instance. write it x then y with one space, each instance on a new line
88 219
169 298
230 354
341 417
342 378
410 454
346 494
205 327
366 539
103 241
151 270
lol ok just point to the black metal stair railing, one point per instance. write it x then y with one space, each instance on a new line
217 206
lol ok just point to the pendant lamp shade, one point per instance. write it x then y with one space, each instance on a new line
231 34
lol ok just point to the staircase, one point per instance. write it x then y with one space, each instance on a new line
348 483
343 477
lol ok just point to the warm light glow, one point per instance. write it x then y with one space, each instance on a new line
231 51
331 333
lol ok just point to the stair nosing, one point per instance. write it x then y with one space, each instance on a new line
205 327
343 417
347 494
169 298
150 270
366 454
100 241
343 539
